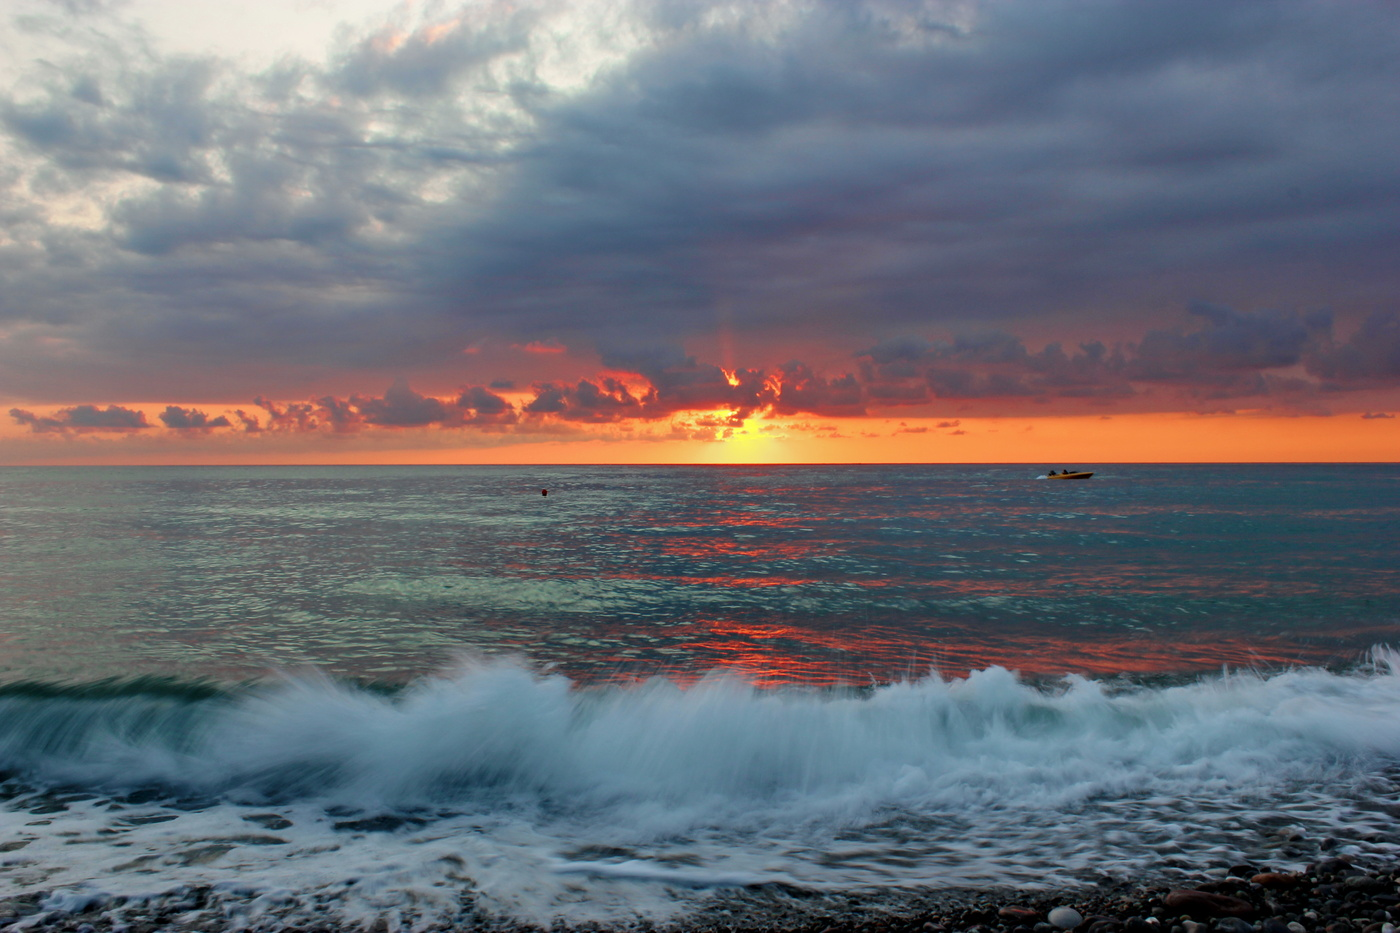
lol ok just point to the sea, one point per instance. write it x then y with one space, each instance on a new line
412 698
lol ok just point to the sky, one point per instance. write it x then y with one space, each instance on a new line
1062 232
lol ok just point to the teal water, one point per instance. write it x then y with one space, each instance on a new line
796 574
282 698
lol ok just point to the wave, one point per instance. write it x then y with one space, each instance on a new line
501 788
503 733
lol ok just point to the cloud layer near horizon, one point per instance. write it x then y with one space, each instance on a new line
1260 359
851 207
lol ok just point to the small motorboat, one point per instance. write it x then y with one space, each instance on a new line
1067 475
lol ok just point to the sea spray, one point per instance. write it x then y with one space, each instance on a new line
500 787
501 729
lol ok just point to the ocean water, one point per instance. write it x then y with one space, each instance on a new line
431 696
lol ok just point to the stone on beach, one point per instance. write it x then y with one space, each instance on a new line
1024 915
1315 902
1203 904
1233 925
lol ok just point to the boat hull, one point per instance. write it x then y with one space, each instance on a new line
1070 476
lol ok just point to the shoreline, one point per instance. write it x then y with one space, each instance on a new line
1332 895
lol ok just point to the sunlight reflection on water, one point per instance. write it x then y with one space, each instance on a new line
808 575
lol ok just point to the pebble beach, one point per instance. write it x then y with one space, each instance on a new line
1332 895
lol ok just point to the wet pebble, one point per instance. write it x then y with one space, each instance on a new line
1203 905
1233 925
1334 895
1020 915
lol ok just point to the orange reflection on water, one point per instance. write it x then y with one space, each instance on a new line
707 548
771 654
774 655
727 581
1129 655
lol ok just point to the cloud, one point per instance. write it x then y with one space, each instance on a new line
1376 415
603 402
433 59
190 419
401 407
1268 355
485 406
1228 354
720 162
249 423
840 174
86 7
679 383
82 419
1369 358
290 417
542 346
1229 343
986 366
803 392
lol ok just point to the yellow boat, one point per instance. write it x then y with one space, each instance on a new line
1068 475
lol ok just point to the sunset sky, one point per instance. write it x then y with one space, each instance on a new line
1064 232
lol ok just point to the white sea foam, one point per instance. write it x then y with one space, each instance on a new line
497 787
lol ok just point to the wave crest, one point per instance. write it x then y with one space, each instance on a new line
505 732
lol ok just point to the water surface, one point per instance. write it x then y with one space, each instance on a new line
432 695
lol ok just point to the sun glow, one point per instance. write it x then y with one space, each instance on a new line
750 442
50 435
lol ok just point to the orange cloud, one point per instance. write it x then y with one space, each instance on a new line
541 347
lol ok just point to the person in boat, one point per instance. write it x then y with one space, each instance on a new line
1051 473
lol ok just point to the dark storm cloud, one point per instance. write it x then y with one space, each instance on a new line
858 175
846 172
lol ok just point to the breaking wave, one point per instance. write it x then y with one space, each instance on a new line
504 772
500 729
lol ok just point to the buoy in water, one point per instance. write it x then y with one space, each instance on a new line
544 492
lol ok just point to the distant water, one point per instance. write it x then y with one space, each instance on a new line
427 694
